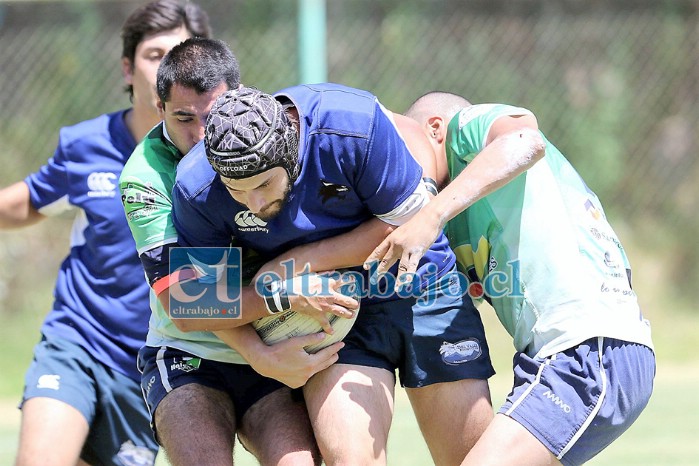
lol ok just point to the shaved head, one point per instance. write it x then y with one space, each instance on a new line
442 104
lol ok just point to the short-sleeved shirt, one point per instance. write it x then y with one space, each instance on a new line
550 263
101 297
354 166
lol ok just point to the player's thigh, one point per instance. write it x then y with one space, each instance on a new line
277 430
51 433
507 442
351 408
59 402
196 425
452 416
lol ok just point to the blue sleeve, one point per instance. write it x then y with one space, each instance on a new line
50 184
388 174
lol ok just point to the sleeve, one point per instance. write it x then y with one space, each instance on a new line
49 188
194 226
148 212
473 124
388 174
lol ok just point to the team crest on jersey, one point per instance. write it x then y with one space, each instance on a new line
247 221
328 190
460 352
133 455
101 184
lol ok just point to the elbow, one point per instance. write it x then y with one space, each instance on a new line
536 143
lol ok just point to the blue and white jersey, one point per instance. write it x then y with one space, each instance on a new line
101 295
354 166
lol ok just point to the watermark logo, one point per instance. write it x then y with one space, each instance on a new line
205 283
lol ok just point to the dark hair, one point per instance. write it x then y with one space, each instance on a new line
200 64
158 16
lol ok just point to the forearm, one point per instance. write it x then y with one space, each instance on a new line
252 307
244 339
16 209
342 251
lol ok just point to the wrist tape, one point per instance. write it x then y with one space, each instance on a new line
276 297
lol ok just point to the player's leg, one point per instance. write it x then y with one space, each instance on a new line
58 404
445 371
194 422
569 406
452 416
196 425
351 408
506 442
52 433
277 431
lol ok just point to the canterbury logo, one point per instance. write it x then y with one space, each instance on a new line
101 184
248 219
557 401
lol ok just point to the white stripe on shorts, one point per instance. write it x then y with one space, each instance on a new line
163 369
531 387
600 400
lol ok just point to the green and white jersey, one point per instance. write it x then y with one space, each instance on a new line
541 246
146 187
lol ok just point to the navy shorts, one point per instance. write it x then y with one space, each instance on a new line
111 402
164 369
578 401
438 337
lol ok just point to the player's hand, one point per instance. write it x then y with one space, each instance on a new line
289 363
408 243
317 295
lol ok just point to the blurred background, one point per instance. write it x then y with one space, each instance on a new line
614 84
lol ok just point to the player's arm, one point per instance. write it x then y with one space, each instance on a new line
513 145
286 361
338 252
16 209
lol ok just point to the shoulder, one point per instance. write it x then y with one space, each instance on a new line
153 155
333 107
487 112
95 128
194 173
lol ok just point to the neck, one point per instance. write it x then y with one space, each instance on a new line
139 123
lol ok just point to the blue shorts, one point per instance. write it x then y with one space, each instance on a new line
438 337
578 401
111 402
164 369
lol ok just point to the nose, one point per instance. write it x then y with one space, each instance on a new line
256 202
199 134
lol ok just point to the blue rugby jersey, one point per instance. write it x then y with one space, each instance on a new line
101 295
354 165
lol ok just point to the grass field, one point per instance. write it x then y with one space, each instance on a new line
665 434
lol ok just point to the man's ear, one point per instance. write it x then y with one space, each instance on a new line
436 129
127 70
161 109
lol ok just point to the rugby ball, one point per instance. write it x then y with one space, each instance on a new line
278 327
